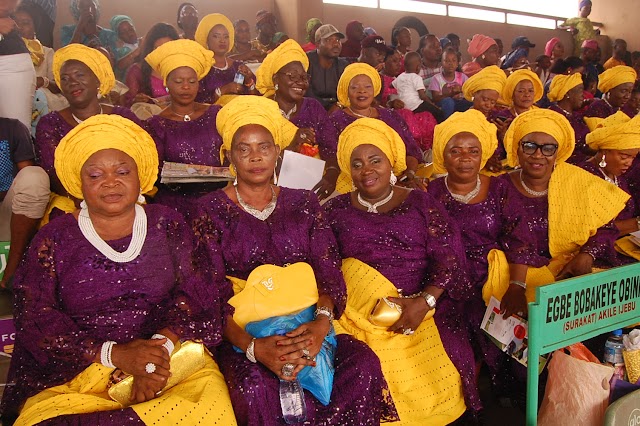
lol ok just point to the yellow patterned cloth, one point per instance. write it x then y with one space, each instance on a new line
35 50
352 71
374 132
180 53
100 132
515 78
244 110
425 386
616 76
203 398
206 25
470 121
488 78
561 84
287 52
617 131
96 61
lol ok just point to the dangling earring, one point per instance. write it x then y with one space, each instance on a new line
233 171
83 205
99 95
275 87
141 199
275 177
393 179
603 162
166 89
483 56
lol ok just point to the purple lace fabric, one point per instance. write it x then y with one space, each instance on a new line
420 246
190 142
526 231
600 108
216 78
632 176
313 115
341 120
69 299
231 240
481 228
582 152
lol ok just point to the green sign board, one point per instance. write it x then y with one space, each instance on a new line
577 309
4 254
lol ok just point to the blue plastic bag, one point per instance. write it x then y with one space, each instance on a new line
319 379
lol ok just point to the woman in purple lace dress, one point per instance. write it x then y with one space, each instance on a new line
83 76
112 287
216 33
616 83
283 77
185 131
358 86
463 144
255 223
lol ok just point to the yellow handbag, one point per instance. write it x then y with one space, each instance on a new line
272 291
385 313
189 358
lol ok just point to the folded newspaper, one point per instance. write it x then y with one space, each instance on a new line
192 173
510 335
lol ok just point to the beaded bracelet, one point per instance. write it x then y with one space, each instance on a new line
168 345
105 354
519 283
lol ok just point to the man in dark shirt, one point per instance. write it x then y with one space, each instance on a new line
24 193
325 68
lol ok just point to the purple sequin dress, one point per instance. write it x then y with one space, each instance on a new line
481 228
191 142
581 152
341 120
601 108
69 299
233 240
413 246
216 78
313 115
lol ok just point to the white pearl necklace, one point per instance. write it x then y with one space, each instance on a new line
258 214
80 121
292 111
464 199
531 191
361 115
373 208
608 179
138 236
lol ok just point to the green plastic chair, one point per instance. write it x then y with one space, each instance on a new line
625 411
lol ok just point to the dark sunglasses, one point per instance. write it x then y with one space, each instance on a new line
530 148
296 77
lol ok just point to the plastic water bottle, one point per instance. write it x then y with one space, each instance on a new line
294 409
613 353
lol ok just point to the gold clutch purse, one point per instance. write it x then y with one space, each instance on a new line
385 313
188 359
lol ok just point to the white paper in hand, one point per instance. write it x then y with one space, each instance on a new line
300 171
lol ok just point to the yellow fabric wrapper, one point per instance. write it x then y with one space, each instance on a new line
616 76
206 25
470 121
539 121
100 132
373 132
180 53
425 386
202 398
271 291
561 84
488 78
627 247
244 110
352 71
515 78
96 61
287 52
35 50
617 131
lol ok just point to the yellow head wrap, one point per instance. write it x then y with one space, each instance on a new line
515 78
180 53
471 121
617 131
287 52
616 76
541 121
206 25
96 61
244 110
373 132
561 84
488 78
100 132
352 71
